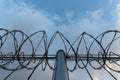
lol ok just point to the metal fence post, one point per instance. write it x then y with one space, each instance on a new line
60 72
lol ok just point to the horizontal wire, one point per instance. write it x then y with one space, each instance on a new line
19 39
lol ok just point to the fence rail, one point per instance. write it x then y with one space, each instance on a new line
86 49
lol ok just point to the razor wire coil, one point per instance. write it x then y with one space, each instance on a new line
81 61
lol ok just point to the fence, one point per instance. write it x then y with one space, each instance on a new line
30 51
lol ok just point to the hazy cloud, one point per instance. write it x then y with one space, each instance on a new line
117 16
29 19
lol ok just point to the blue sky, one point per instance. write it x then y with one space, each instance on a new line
99 14
71 17
79 7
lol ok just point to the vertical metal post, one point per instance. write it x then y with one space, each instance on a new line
60 72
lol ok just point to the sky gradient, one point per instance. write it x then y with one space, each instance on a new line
70 17
66 16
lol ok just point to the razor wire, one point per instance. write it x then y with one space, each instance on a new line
19 42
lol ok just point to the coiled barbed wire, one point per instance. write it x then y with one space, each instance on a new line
82 51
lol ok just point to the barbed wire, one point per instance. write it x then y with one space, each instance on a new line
83 51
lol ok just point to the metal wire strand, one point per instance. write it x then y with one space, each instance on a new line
23 60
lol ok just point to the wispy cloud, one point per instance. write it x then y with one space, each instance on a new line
26 17
29 19
117 16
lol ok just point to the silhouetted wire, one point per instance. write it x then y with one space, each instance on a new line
19 56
